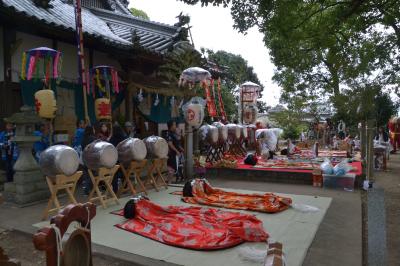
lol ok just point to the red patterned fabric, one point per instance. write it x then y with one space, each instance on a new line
205 194
193 227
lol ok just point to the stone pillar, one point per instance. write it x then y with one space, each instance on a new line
29 183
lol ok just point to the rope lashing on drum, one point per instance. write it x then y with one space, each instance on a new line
58 243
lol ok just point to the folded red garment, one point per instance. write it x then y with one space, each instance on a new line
193 227
199 191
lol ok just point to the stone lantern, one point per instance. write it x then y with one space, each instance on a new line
29 183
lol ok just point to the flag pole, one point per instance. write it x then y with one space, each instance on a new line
81 56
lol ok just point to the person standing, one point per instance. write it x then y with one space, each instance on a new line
9 150
44 142
381 136
175 150
130 130
104 133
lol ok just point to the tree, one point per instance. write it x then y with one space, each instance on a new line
139 13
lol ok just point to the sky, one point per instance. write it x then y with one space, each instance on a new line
212 29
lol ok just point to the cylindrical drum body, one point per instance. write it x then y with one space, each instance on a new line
234 131
222 131
59 160
243 132
209 134
100 154
157 147
131 149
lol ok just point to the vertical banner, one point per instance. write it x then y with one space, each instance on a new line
221 103
212 110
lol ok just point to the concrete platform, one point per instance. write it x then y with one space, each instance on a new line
295 229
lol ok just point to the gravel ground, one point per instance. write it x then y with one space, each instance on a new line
19 246
390 182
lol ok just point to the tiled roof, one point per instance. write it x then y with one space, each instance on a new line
113 27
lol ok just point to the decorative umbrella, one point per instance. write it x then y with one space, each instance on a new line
106 75
32 59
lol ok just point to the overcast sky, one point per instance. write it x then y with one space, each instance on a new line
212 28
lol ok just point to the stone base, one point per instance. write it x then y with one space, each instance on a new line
28 187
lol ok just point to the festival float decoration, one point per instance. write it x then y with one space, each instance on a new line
103 81
42 64
249 93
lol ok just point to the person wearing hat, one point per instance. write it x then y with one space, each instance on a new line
130 130
9 150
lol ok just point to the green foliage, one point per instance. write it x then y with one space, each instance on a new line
139 13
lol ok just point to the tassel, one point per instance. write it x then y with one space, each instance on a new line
157 100
55 65
32 62
98 82
47 70
59 66
23 66
107 82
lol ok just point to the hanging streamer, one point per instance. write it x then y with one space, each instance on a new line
221 103
98 82
212 111
107 83
23 64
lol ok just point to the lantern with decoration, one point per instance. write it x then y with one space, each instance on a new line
250 112
249 93
193 111
103 80
42 64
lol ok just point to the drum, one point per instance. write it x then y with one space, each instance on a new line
131 149
209 134
234 131
222 131
59 160
157 147
99 154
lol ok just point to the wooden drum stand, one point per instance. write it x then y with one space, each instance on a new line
60 182
106 175
154 172
136 168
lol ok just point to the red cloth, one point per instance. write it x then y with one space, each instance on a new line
205 194
193 227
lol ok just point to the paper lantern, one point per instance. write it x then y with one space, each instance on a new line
250 112
103 109
194 114
45 103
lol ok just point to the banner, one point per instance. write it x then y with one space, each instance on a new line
221 103
212 110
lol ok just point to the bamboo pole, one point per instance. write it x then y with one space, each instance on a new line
81 56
